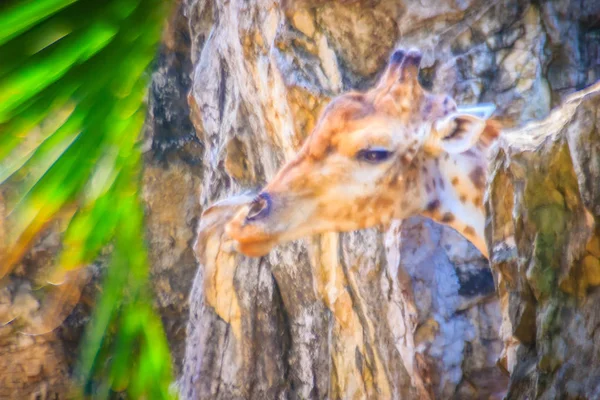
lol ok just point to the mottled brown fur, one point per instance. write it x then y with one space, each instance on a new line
469 231
433 206
477 176
448 217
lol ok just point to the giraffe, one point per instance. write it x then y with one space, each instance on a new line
390 152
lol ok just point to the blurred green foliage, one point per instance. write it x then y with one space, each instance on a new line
73 80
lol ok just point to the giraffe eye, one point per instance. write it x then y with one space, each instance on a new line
373 155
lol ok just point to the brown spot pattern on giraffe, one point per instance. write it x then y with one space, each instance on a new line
477 176
448 217
379 203
433 205
469 231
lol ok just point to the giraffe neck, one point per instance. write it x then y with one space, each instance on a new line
455 198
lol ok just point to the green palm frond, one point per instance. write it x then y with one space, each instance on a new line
73 80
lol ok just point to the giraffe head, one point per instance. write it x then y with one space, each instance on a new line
373 156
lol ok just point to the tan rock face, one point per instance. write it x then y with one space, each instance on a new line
406 313
38 365
171 181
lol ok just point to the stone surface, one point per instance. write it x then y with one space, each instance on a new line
543 232
171 181
39 336
406 313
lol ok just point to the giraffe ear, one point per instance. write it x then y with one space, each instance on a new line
457 132
460 130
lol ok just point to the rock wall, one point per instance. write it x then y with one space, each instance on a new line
39 366
171 181
406 313
544 206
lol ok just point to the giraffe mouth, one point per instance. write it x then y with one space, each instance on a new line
251 243
249 228
256 249
268 220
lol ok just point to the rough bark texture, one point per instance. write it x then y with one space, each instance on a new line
401 314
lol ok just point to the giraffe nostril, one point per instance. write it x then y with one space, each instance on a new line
260 207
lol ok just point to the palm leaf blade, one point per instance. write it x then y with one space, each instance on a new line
21 16
71 109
